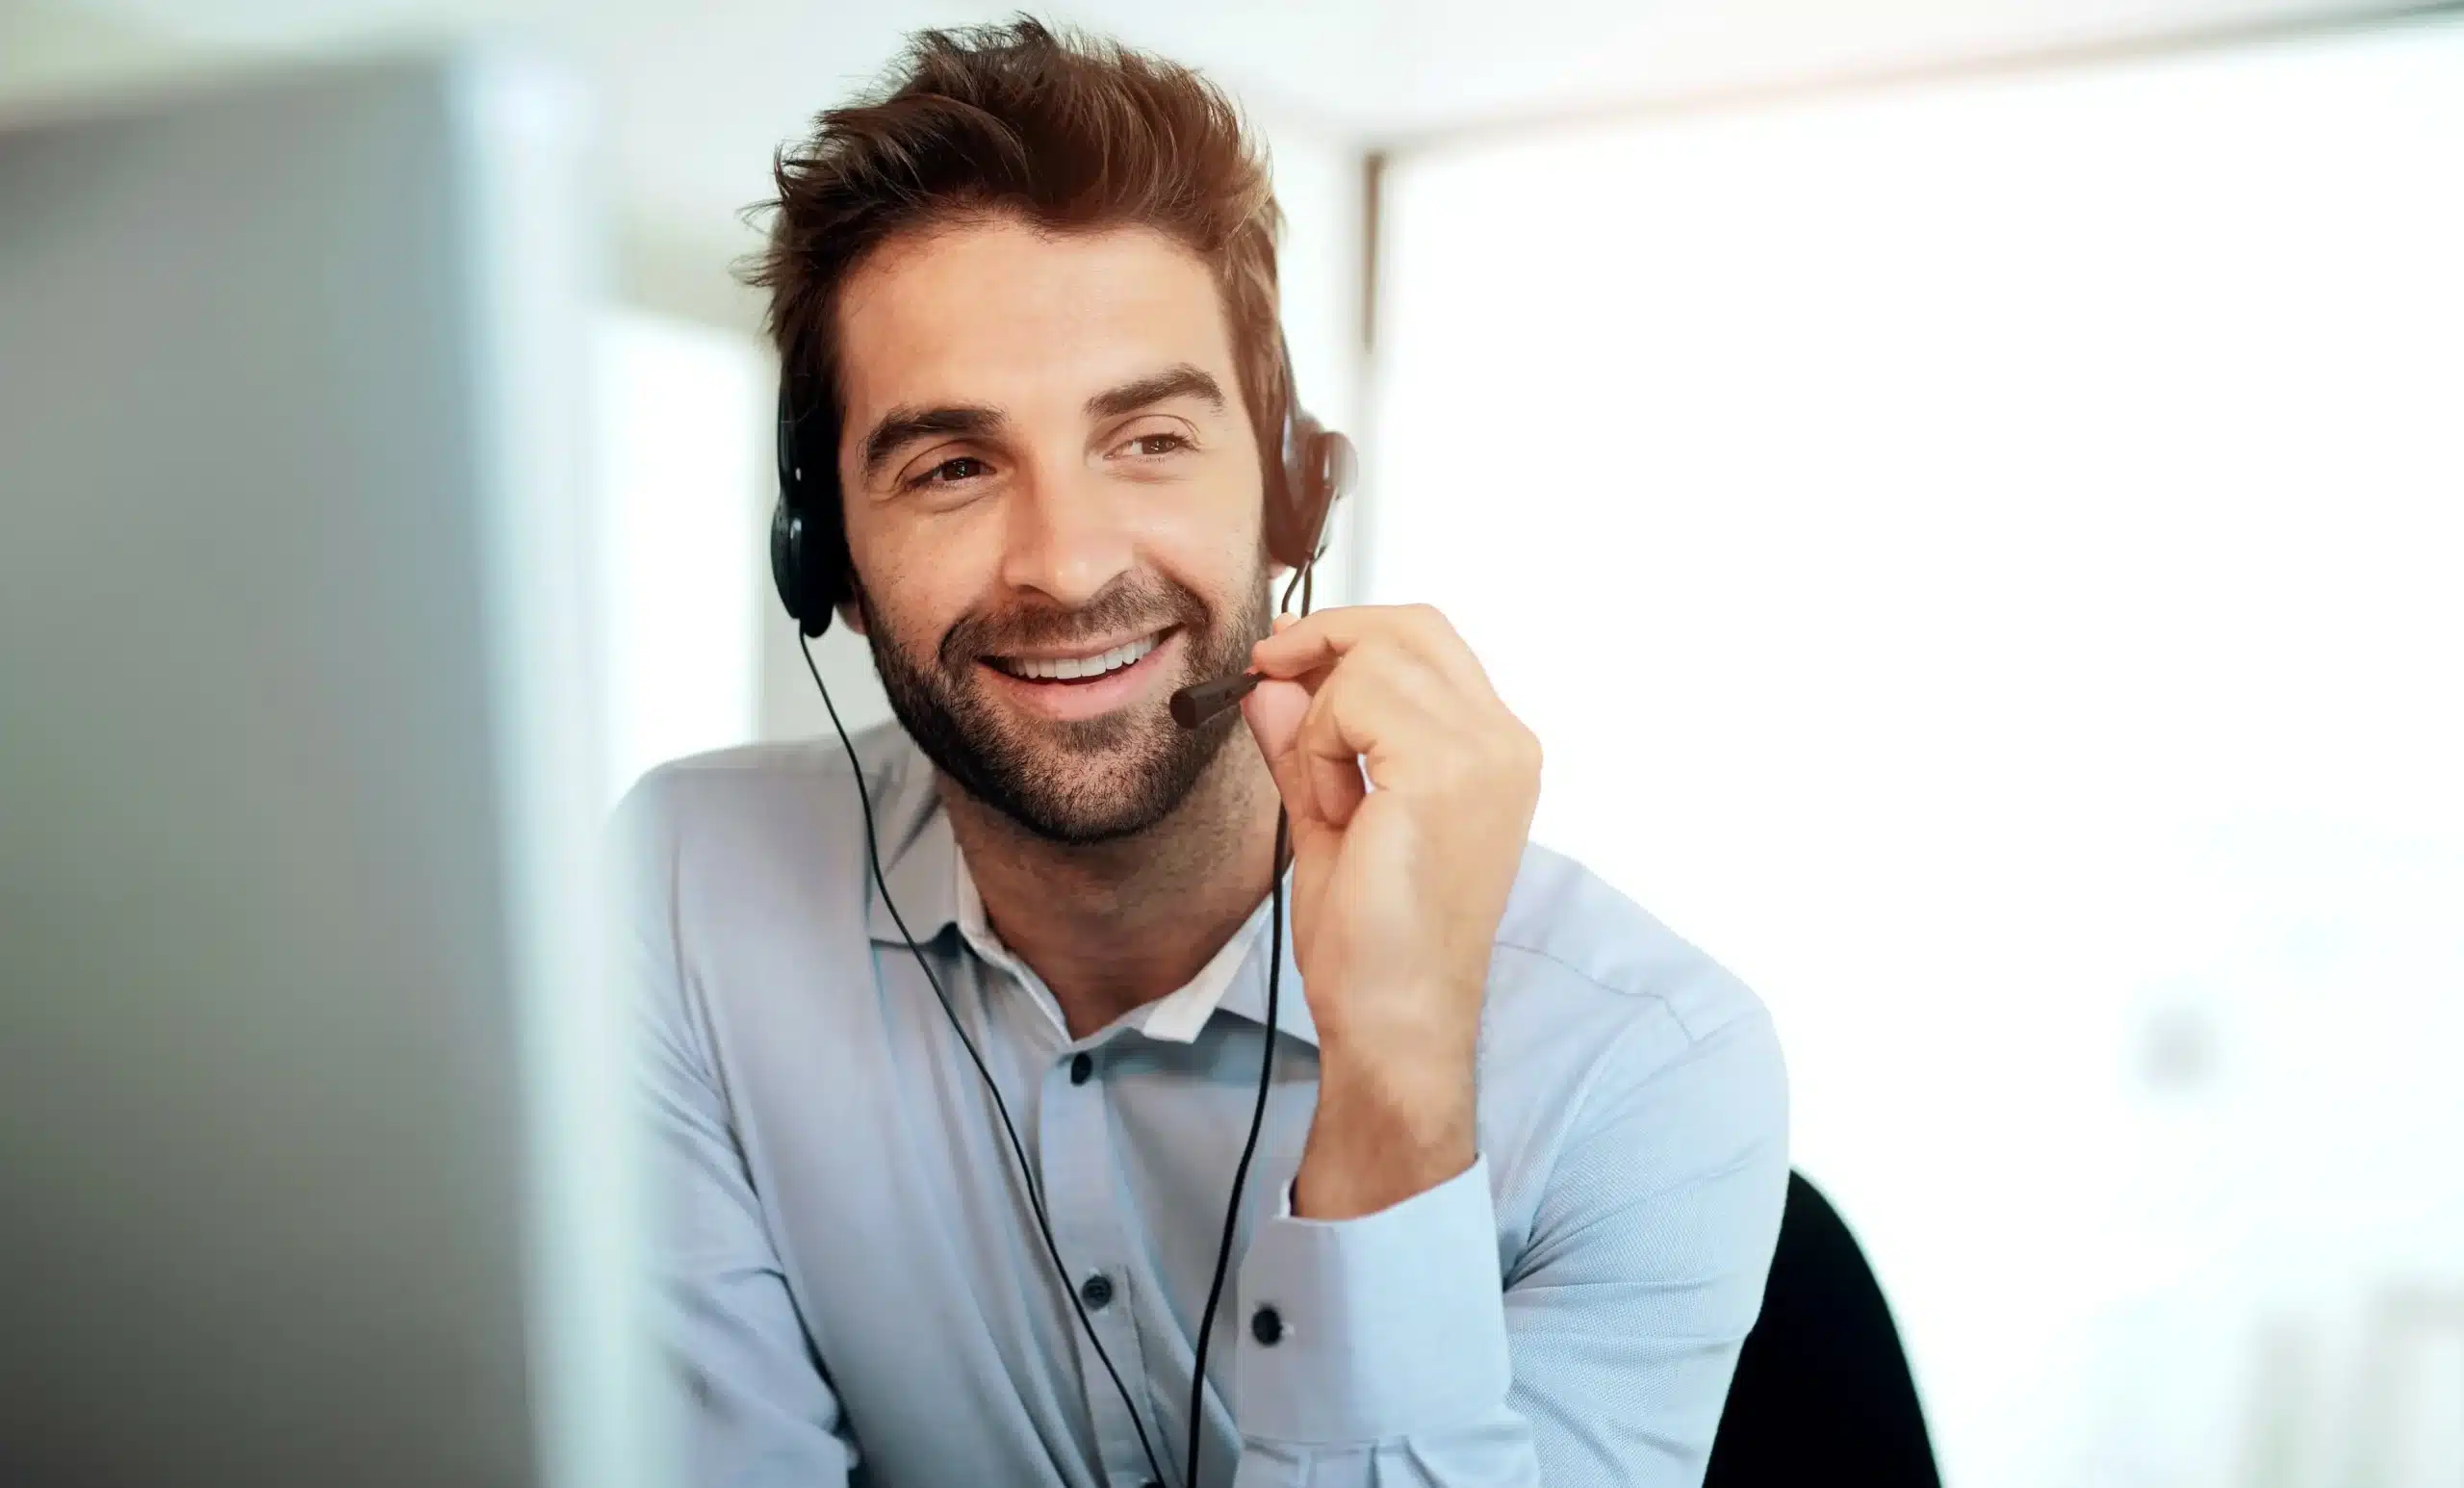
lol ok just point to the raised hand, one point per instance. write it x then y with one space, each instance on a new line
1397 890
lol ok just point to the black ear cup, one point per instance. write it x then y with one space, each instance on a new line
807 544
1338 465
787 569
787 555
809 563
1317 470
1327 465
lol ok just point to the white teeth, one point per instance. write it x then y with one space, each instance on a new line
1070 667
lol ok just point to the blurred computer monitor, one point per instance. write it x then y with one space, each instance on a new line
307 1093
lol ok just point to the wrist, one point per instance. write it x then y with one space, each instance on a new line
1396 1031
1384 1131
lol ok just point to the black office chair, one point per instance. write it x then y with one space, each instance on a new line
1822 1393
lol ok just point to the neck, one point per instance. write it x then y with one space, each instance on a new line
1111 926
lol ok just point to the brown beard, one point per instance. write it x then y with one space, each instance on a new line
1133 766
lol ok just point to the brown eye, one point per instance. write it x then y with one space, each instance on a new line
965 467
1159 443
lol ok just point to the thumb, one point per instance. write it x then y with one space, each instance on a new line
1274 710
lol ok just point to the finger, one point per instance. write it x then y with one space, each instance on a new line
1397 718
1341 788
1378 665
1315 642
1314 743
1336 784
1307 643
1274 710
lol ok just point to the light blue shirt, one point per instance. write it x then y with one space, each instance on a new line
851 1280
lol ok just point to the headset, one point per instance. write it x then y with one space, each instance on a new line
811 565
808 559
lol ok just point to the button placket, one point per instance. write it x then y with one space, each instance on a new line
1078 1173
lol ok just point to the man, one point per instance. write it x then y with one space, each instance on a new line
1522 1162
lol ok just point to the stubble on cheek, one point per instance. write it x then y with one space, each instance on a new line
1076 780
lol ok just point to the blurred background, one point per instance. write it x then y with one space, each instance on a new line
1970 494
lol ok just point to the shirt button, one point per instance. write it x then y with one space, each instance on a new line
1265 1326
1081 1068
1095 1291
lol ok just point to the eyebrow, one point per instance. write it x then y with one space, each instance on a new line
1177 381
903 426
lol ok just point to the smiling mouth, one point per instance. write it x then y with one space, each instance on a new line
1068 670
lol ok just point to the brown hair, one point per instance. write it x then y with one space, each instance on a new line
1066 132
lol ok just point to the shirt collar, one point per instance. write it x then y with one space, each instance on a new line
1246 996
928 880
913 836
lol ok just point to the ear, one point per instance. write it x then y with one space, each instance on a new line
851 614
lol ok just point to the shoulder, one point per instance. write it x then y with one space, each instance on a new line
709 791
1583 952
732 865
754 797
1635 1070
751 836
1602 1021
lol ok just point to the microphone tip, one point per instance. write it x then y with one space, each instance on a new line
1199 702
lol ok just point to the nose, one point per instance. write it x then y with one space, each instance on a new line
1065 538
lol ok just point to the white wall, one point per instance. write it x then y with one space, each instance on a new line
682 478
1983 561
1317 181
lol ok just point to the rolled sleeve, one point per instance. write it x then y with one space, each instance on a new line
1383 1325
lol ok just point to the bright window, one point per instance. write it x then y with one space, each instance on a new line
1985 561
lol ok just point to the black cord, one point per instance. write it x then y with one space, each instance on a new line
1026 1169
1304 582
1301 580
1248 1149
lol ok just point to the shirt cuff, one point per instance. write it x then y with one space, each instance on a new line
1353 1330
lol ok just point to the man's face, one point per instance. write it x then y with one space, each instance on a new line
1053 501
